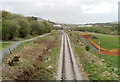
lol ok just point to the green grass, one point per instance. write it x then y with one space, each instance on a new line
0 45
111 60
107 42
21 39
96 66
28 37
23 44
4 45
49 73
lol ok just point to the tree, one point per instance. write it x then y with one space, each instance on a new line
5 13
18 26
9 29
24 27
37 27
48 26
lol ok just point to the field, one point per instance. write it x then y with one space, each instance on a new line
107 42
96 66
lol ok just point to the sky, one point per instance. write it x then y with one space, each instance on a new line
65 11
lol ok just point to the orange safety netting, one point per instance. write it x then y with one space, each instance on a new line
117 53
114 52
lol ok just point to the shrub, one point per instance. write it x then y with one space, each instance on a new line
24 27
14 61
87 48
9 29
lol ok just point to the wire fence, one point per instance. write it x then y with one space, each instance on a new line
87 42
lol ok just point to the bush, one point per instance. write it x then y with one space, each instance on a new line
9 29
48 26
87 48
14 61
24 28
37 28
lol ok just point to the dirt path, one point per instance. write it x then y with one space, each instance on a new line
67 66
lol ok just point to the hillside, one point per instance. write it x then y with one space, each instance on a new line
16 26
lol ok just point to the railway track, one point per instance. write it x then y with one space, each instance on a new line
67 66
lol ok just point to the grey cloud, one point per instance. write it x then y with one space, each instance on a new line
67 11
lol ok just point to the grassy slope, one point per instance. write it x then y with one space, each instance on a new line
38 60
112 61
106 41
95 67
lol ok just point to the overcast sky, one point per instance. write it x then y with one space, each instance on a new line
65 11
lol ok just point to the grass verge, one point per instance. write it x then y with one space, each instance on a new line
4 45
0 45
37 60
95 67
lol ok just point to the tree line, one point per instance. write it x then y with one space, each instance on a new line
95 29
19 26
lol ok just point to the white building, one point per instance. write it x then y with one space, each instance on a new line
58 25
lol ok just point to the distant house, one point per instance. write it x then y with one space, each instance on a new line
58 25
106 26
82 25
